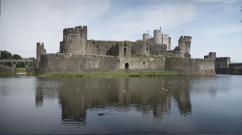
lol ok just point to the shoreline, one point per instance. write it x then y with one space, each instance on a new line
108 74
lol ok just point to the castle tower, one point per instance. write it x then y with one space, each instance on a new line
166 40
157 37
184 44
40 50
146 36
74 40
125 49
212 55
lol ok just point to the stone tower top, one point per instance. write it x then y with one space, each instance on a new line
185 38
184 43
75 33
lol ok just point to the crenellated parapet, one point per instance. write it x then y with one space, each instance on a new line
77 33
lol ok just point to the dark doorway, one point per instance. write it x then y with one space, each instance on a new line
126 66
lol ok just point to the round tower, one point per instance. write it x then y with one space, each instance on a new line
157 37
146 36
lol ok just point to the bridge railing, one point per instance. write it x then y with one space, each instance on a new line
15 60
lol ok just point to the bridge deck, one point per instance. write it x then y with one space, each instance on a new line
14 60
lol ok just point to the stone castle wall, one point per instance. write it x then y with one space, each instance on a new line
78 54
190 66
143 63
102 47
140 48
78 63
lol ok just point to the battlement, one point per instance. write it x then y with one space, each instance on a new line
185 38
223 58
146 36
75 30
75 33
40 44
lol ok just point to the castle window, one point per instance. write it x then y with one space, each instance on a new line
97 46
93 42
125 45
143 63
124 51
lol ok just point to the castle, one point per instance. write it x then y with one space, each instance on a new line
78 54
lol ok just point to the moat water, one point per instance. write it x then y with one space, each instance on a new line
199 105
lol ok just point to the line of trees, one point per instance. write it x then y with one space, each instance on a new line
7 55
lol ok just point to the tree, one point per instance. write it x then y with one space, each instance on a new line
6 55
16 56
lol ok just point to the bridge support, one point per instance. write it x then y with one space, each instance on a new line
26 64
14 62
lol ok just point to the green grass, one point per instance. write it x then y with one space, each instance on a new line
6 74
20 69
110 74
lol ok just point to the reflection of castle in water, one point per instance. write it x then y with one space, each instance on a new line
145 94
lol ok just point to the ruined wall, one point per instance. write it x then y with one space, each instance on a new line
157 49
76 63
143 63
187 66
125 49
222 65
110 48
222 62
140 48
97 47
150 48
235 68
166 40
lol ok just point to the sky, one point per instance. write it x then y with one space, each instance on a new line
213 24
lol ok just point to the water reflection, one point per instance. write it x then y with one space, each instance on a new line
146 95
47 89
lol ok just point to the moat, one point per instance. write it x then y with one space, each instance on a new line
210 104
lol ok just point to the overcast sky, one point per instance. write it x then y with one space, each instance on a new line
213 24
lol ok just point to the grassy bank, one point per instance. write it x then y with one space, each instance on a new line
6 74
20 69
110 74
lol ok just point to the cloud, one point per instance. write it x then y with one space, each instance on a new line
25 22
220 1
221 30
137 21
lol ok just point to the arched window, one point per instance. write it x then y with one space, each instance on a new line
126 66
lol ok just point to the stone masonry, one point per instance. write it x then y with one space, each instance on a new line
78 54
